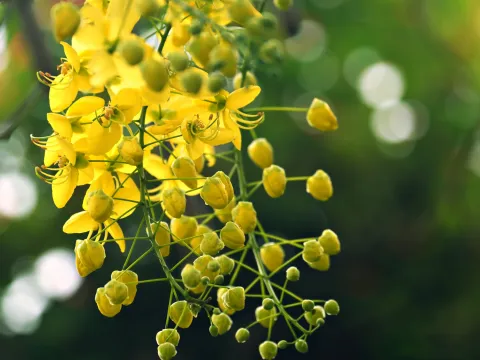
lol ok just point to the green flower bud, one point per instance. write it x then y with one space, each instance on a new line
268 304
179 61
330 243
321 117
89 256
116 292
205 280
293 274
217 311
331 307
214 193
196 27
242 335
195 308
200 46
268 350
155 74
223 58
272 255
201 263
282 344
312 251
167 351
219 280
130 279
130 151
226 264
104 305
191 81
272 51
168 335
308 305
234 298
65 20
213 266
245 216
313 316
213 330
250 80
221 304
222 322
147 8
225 215
322 265
301 346
99 205
174 201
161 231
181 314
320 186
260 152
183 228
211 244
283 5
232 235
132 50
265 317
183 167
190 276
274 181
216 82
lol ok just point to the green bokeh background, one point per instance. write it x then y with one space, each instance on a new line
408 215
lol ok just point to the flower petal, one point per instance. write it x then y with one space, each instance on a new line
63 92
80 222
72 56
64 186
242 97
85 105
102 139
60 124
116 232
156 166
122 208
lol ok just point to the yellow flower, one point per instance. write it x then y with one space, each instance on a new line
321 117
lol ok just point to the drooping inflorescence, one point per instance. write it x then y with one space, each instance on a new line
136 121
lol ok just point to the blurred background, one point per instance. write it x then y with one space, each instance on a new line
403 77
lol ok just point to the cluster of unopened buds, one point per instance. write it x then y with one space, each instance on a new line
139 120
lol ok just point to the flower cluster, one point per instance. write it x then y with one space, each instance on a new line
138 119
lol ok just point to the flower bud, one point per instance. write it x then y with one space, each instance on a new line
181 314
241 11
168 335
225 214
308 305
116 292
223 58
167 351
320 186
245 216
272 51
301 346
197 240
213 266
201 46
234 298
184 168
155 74
65 20
89 256
274 181
322 265
268 304
222 322
147 8
162 236
272 255
261 152
130 151
104 305
132 51
283 5
321 117
190 276
179 61
99 205
216 82
196 27
331 307
293 274
191 81
282 344
219 280
183 228
213 330
265 317
214 193
221 304
232 236
268 350
312 251
242 335
226 264
211 244
225 179
201 264
217 311
174 201
330 243
205 280
313 317
130 279
250 80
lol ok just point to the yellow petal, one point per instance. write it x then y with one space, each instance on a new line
60 124
209 155
85 105
224 136
230 124
71 55
156 166
102 139
79 223
195 149
85 175
123 208
66 148
64 186
63 92
51 153
116 232
242 97
129 102
122 16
